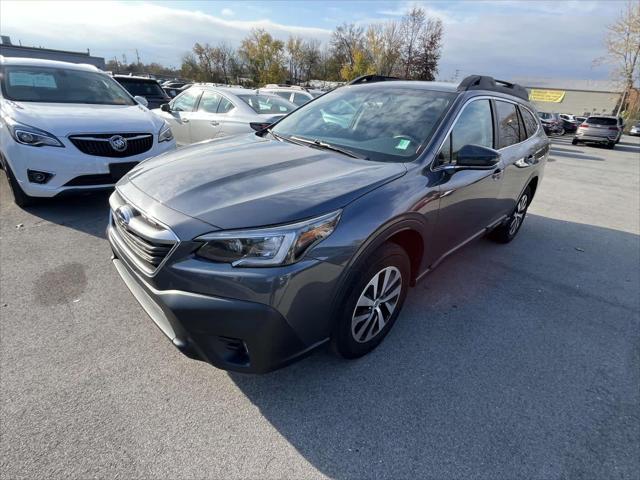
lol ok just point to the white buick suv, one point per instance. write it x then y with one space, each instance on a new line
66 127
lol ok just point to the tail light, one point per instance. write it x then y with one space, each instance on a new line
583 125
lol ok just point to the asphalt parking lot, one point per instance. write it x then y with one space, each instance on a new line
516 361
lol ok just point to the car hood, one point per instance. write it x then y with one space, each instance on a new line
249 181
62 119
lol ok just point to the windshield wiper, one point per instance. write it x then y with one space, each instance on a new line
327 146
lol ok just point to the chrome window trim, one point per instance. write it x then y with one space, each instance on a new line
455 121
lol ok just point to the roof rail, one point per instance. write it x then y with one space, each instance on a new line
481 82
371 79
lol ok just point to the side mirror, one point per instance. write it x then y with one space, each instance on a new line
165 107
476 156
141 100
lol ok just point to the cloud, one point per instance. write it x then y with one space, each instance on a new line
227 12
160 33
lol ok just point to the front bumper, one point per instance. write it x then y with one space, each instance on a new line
65 164
230 334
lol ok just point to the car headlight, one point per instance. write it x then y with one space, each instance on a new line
165 134
28 135
265 247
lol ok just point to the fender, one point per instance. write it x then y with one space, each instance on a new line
409 221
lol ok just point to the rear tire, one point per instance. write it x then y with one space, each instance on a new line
20 198
574 142
507 230
371 302
611 145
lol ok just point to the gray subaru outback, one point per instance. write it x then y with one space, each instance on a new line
249 252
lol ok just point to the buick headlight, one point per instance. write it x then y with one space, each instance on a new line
28 135
265 247
165 134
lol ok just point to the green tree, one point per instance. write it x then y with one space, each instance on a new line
264 57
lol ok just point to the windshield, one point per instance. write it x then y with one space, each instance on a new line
267 104
383 124
141 87
61 85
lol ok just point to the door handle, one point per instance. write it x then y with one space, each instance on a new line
214 123
497 174
185 120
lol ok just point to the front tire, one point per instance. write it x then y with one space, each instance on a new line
20 198
372 301
508 229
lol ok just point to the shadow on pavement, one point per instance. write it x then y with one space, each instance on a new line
507 362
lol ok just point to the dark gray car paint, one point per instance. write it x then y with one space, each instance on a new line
242 182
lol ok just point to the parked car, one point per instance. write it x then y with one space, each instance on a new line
621 125
175 91
635 130
204 112
67 127
147 88
552 124
579 120
604 130
568 126
568 116
251 251
293 93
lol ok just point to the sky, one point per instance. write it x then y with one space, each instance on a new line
503 38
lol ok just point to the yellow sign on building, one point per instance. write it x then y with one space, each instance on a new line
554 96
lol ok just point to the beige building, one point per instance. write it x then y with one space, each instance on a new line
577 97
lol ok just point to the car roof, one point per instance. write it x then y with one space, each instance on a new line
39 62
415 84
133 77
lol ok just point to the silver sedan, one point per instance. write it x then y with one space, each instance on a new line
205 111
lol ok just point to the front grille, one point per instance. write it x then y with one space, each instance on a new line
99 144
147 242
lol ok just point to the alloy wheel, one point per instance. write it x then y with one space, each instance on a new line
376 304
518 215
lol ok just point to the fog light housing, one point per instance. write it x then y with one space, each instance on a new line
36 176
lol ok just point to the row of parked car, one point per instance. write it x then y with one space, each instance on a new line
102 125
593 129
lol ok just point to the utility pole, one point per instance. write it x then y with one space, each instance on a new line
137 56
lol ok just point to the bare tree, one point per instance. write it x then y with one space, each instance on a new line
429 50
413 24
623 48
346 40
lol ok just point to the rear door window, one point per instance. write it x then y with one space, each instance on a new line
530 123
209 102
225 105
508 124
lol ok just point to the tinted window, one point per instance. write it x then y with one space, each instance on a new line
601 121
285 95
508 124
377 122
141 87
300 98
225 105
61 85
473 127
530 123
267 103
209 102
186 101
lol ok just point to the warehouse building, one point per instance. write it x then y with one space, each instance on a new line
8 49
577 97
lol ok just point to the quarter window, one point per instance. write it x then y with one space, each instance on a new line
209 102
508 124
530 123
300 99
473 127
186 101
